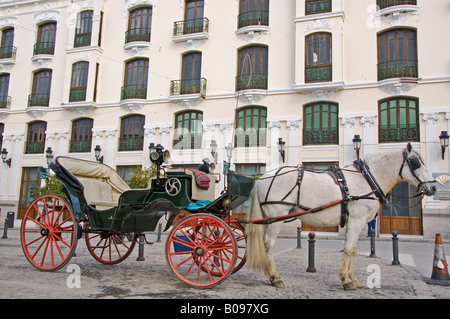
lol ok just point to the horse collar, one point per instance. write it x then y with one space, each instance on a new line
365 171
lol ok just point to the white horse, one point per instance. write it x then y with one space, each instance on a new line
286 192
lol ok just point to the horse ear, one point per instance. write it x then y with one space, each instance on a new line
409 147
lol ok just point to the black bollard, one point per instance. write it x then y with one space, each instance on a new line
395 261
5 230
312 242
299 237
158 239
372 244
141 248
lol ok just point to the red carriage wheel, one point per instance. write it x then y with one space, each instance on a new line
201 250
110 247
241 239
48 233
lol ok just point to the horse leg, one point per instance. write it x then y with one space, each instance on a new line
348 279
269 241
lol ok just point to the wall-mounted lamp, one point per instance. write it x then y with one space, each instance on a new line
213 146
229 151
443 138
97 151
357 145
281 145
6 161
49 155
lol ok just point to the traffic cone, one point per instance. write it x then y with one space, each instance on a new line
439 275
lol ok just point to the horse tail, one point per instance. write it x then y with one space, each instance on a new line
257 258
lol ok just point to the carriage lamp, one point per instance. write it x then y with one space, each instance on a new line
157 157
281 145
213 146
49 155
357 145
444 141
97 151
6 161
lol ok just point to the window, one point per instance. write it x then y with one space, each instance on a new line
136 77
83 30
193 17
40 95
320 125
127 172
35 142
317 6
81 139
5 100
132 133
397 54
45 43
318 58
399 120
253 12
252 68
188 130
139 25
7 49
2 129
78 84
251 126
390 3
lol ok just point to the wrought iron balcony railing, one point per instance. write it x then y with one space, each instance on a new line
39 99
190 26
77 94
44 48
253 18
131 144
5 102
34 147
391 3
317 6
180 87
8 53
80 146
318 74
397 69
320 136
82 40
133 92
251 82
404 133
138 34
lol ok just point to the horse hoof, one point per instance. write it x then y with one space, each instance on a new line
277 283
349 286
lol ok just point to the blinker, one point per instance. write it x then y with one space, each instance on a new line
414 163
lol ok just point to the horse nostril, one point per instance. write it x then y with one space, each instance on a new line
433 189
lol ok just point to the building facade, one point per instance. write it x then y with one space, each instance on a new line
118 75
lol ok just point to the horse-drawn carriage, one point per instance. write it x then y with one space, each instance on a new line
204 246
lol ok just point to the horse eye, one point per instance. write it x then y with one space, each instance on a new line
415 163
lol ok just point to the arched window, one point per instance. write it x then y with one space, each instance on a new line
136 78
320 125
252 72
253 12
5 100
78 84
318 66
83 31
45 43
139 25
188 130
35 143
251 126
81 139
132 133
40 94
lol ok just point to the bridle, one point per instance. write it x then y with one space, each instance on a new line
414 162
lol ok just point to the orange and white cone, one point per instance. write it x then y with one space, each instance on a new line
439 275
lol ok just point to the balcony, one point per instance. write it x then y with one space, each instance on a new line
251 82
404 133
80 146
182 87
34 147
47 48
320 136
39 99
318 74
138 35
5 102
398 69
391 3
317 6
82 40
131 144
253 18
8 53
133 92
77 95
190 26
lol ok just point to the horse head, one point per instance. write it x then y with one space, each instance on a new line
416 172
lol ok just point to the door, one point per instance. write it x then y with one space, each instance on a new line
404 214
30 184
